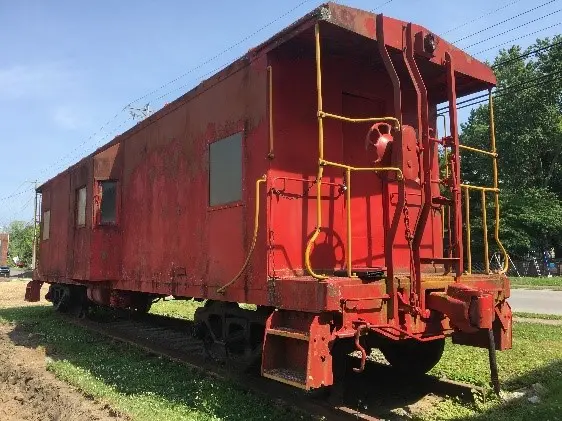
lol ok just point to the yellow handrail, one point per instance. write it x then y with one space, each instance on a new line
322 163
482 188
360 120
497 197
485 233
348 217
321 156
259 181
467 215
470 148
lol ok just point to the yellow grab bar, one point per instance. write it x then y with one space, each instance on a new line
472 187
497 197
348 216
323 162
485 233
259 181
320 156
322 114
467 215
470 148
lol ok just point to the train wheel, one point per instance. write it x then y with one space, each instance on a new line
411 356
60 297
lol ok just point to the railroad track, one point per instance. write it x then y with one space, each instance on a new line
367 396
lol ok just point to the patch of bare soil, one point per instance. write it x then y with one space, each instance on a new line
12 293
27 390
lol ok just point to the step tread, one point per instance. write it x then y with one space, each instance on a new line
287 376
288 333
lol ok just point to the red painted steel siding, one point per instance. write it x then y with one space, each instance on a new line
351 89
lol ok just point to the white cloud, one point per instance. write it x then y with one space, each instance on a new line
66 118
42 80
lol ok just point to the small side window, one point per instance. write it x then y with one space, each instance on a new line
81 207
46 224
225 170
108 205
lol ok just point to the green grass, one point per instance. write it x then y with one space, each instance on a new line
150 388
537 316
143 386
535 283
536 357
182 309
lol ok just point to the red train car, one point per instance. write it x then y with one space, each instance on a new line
304 179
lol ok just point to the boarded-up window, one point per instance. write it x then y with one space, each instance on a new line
46 224
108 206
225 170
81 207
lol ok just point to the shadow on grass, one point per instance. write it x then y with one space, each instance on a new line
548 408
153 388
134 381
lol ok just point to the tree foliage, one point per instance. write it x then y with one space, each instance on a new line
528 118
21 241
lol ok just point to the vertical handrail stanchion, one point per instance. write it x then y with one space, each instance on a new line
467 219
485 232
496 192
320 160
348 217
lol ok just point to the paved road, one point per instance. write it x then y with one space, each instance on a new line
543 301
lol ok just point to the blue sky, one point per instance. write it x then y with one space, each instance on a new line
69 67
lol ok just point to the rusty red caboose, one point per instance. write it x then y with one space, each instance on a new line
303 178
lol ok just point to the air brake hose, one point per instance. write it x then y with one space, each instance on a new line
260 180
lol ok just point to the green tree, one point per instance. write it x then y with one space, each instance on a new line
21 241
528 117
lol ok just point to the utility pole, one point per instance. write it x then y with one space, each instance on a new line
34 255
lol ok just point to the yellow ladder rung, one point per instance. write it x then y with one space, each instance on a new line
470 148
323 114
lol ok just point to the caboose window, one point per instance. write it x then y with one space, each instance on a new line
225 170
81 207
46 224
108 206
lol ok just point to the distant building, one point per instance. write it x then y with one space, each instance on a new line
4 240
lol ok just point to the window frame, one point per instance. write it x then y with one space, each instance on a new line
238 202
98 197
48 230
77 207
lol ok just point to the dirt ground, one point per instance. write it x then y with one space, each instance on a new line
27 390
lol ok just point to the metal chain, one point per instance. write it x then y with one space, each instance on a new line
281 193
409 238
272 248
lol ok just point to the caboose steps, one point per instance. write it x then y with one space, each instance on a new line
288 333
296 349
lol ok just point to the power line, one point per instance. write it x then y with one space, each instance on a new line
213 58
518 38
508 90
513 29
15 194
504 21
380 5
111 120
468 22
530 53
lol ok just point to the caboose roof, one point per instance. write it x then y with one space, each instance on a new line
472 75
